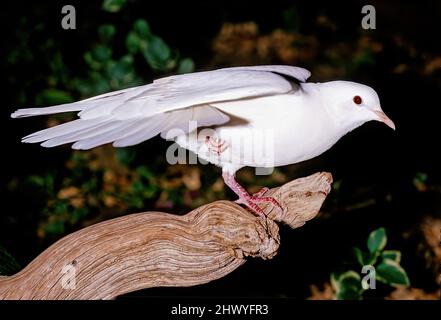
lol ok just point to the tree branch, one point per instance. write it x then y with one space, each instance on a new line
155 249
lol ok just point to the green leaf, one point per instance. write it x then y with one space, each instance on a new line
136 202
144 172
37 180
377 240
421 177
390 272
335 283
106 32
359 255
350 278
78 214
347 285
101 53
61 208
142 28
121 68
393 255
364 258
125 155
346 278
157 53
186 66
150 191
113 5
53 96
420 181
349 293
55 227
364 58
336 186
132 42
93 64
98 83
137 186
8 265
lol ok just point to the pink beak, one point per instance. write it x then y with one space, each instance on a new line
385 119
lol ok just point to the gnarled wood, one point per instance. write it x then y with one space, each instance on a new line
155 249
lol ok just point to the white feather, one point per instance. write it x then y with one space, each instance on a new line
126 128
147 131
62 129
94 130
208 116
169 102
29 112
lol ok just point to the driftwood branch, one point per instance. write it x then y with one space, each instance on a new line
155 249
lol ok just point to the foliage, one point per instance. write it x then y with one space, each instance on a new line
121 46
107 72
348 284
107 67
420 181
8 265
89 189
113 5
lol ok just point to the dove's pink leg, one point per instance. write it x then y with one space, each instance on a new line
250 201
261 192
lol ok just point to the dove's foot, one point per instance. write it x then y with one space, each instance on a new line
261 192
251 201
258 194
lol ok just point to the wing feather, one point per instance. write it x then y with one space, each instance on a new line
62 129
146 131
140 113
82 134
126 128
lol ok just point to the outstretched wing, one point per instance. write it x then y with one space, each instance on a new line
130 116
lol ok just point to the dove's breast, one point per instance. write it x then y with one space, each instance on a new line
266 132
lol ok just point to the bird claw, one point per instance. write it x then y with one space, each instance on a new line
258 194
261 192
273 201
252 201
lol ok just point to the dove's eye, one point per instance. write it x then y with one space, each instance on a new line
357 100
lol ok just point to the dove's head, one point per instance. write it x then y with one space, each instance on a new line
352 104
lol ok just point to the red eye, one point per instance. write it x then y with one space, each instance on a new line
357 100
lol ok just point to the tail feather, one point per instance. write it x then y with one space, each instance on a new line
94 130
123 130
107 100
147 130
127 128
62 129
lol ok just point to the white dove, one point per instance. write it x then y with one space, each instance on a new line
302 119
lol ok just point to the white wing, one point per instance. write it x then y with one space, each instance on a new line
130 116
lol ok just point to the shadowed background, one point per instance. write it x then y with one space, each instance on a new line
382 178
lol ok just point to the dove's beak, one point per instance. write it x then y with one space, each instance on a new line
385 119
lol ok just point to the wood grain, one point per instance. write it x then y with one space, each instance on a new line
154 249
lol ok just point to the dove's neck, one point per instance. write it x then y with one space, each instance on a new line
331 100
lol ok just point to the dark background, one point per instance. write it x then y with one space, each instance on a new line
386 179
